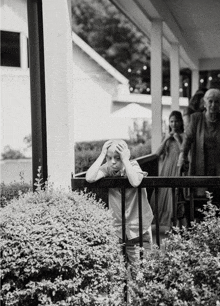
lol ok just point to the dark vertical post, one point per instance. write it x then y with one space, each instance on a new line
174 207
157 217
124 236
37 85
191 213
140 221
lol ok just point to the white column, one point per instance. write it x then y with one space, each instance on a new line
23 51
195 81
59 91
156 83
174 75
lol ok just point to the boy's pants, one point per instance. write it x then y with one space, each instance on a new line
133 246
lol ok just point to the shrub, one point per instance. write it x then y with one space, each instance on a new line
59 248
87 152
12 190
187 272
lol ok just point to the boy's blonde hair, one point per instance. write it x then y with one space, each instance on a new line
115 142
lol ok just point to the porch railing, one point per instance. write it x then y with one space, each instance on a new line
153 182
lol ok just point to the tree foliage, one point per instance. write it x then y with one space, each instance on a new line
114 37
10 153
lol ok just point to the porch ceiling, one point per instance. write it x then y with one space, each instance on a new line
194 24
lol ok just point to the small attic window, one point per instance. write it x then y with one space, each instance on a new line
10 49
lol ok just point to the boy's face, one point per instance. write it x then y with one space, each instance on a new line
113 159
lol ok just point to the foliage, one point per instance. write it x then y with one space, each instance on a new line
59 248
10 153
110 33
140 132
187 272
114 37
12 190
28 140
87 152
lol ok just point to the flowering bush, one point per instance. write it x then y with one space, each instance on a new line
59 248
187 272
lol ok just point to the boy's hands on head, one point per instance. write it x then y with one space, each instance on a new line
123 151
105 147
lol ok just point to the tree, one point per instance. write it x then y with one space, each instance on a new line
10 153
28 141
121 43
109 32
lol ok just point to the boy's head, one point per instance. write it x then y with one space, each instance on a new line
116 142
113 157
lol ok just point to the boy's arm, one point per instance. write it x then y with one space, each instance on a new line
134 177
93 174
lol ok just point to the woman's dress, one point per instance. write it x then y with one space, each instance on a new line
167 167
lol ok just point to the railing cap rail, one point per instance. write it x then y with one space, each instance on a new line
151 181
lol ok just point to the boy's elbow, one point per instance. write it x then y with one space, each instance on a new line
89 179
135 184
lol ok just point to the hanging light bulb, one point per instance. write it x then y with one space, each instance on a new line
129 69
210 78
201 80
165 88
145 67
186 84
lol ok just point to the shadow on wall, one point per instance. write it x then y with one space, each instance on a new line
16 170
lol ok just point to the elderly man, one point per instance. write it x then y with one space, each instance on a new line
203 141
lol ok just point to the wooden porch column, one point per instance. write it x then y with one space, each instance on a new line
156 83
195 81
37 86
59 90
174 75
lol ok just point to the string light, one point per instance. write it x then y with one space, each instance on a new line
145 67
129 69
148 89
210 78
201 81
165 88
186 84
131 88
181 90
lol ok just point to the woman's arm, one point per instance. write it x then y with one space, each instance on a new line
161 148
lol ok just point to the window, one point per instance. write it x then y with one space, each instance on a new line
10 49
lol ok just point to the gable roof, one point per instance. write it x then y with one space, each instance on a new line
99 59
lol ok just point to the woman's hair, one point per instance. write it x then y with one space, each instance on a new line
179 117
195 101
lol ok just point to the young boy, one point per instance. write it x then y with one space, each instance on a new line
118 163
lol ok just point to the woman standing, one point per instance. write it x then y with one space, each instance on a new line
203 141
168 152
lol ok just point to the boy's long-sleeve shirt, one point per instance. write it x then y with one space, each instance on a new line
131 205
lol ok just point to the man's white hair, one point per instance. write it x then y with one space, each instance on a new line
212 93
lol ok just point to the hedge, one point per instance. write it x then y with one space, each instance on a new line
87 152
12 190
59 248
187 273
